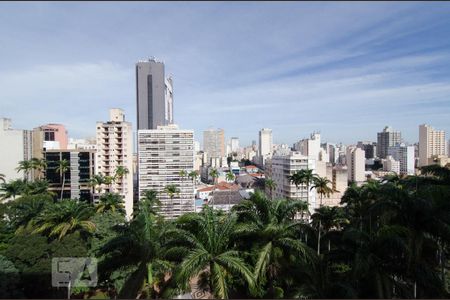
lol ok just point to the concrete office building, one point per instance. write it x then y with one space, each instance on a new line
385 139
114 149
370 149
214 143
265 145
76 185
17 145
431 144
154 94
405 156
279 167
162 154
356 162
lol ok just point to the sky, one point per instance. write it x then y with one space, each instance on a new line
344 69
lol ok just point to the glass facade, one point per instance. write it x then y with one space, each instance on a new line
76 184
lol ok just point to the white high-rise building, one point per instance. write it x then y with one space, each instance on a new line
114 149
310 147
17 145
265 144
431 143
214 143
282 166
356 164
234 142
405 155
163 153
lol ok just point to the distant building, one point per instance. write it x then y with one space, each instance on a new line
370 149
163 153
405 156
431 144
332 151
234 143
154 94
310 147
214 143
355 158
76 185
385 139
114 149
391 165
265 145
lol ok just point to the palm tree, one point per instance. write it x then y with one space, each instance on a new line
193 175
111 202
229 176
322 188
36 187
97 181
138 253
26 166
12 189
24 211
328 218
183 174
39 165
271 185
214 174
65 217
303 176
2 177
109 180
205 241
62 168
171 190
121 172
273 231
150 201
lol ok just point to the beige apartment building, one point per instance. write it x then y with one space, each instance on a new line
356 164
114 149
431 144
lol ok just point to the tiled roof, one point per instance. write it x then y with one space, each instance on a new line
228 197
221 186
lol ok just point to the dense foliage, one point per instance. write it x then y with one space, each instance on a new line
388 239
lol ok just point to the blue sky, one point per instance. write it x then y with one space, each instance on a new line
345 69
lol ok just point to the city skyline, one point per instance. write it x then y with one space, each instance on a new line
346 70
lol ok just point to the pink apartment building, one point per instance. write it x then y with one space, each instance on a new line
55 136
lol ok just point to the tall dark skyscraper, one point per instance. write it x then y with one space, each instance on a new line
154 95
